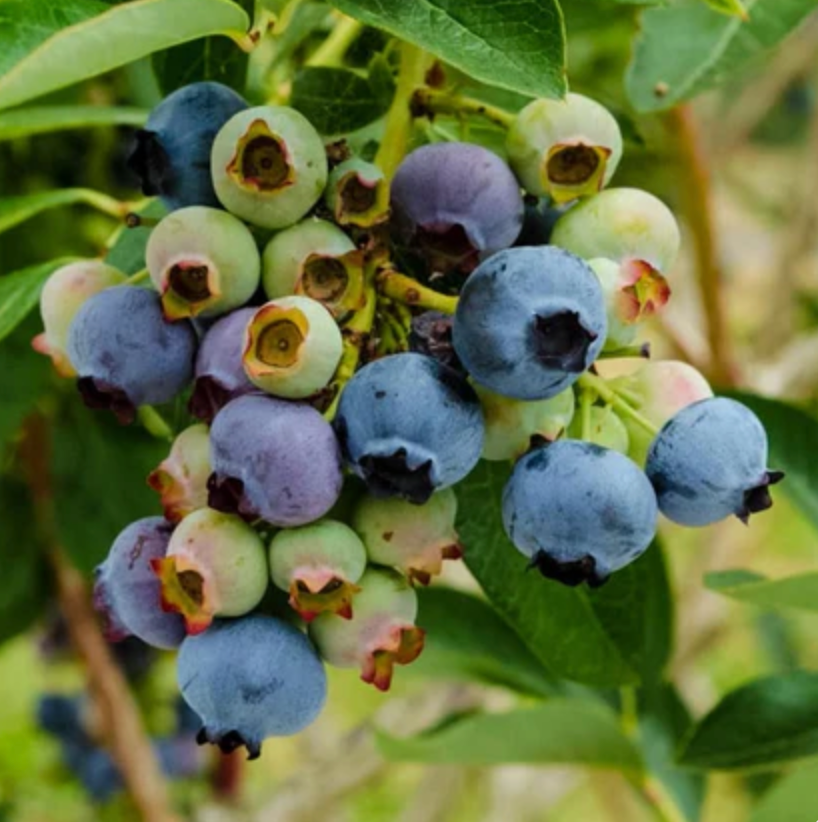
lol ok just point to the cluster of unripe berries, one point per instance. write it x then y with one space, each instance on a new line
327 450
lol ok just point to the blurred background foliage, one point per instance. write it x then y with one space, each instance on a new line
756 140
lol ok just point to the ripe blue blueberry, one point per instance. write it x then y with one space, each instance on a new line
273 459
456 203
220 375
579 512
710 461
529 321
127 592
171 155
125 353
251 678
409 426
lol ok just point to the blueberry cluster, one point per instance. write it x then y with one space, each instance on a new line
338 400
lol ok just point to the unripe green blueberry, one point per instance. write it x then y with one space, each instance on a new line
269 166
415 539
215 565
315 259
62 296
381 634
512 424
629 227
181 478
605 428
564 149
319 565
358 194
665 388
203 261
292 347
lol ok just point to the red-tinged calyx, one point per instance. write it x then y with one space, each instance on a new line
401 645
421 568
644 291
185 592
336 282
62 365
100 395
574 169
262 161
318 591
189 287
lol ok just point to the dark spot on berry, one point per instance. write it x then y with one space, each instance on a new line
379 395
387 536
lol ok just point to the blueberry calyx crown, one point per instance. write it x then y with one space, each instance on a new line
562 341
448 248
571 573
190 282
229 742
390 475
758 499
208 398
573 164
148 160
357 195
227 495
99 395
262 161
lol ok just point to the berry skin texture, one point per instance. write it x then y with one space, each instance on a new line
409 426
203 261
415 539
579 512
710 461
564 149
62 296
215 565
381 634
529 321
269 166
513 425
181 479
456 203
127 593
318 565
126 355
315 259
273 459
357 194
171 155
292 347
249 679
220 375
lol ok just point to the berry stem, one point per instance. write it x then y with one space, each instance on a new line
395 140
615 399
586 400
332 51
154 423
428 102
405 290
106 204
641 351
140 275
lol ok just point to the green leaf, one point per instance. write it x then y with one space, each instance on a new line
25 577
557 623
686 48
100 470
761 725
337 101
20 291
26 377
515 44
561 731
793 436
792 799
798 592
466 639
15 210
210 58
26 122
636 608
732 8
128 252
46 46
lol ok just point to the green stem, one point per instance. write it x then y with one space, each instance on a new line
432 101
403 289
586 400
140 275
154 423
612 397
631 351
332 51
395 141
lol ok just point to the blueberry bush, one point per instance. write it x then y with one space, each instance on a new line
343 335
